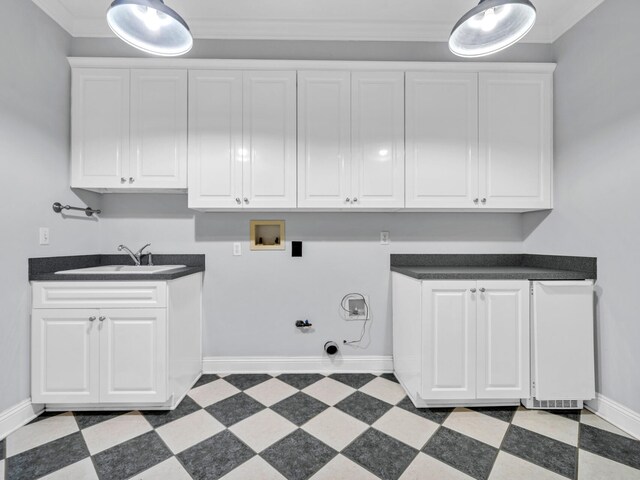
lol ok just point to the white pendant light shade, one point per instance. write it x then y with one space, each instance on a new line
150 26
491 26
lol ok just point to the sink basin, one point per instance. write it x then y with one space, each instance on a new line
115 269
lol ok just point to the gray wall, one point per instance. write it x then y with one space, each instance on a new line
34 152
597 160
252 301
314 50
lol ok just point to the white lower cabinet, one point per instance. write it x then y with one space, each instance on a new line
117 356
461 341
65 355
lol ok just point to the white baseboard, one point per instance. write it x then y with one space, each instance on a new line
622 417
17 416
351 364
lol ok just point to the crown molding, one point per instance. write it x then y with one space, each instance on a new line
316 29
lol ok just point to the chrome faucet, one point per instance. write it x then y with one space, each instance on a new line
135 256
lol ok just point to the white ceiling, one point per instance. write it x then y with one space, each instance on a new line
396 20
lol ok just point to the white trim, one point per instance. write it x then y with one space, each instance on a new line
216 64
622 417
17 416
352 364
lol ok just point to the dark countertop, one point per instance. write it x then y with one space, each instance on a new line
43 269
495 267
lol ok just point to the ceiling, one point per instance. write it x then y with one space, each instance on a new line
391 20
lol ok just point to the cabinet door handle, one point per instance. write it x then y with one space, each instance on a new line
473 290
246 200
348 200
484 200
131 179
238 201
122 179
355 199
92 318
475 200
101 318
482 290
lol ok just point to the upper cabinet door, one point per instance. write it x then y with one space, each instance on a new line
516 140
269 140
215 139
100 128
448 340
442 140
158 129
377 139
324 129
503 339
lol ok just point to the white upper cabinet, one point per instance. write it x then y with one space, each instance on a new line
351 140
100 128
158 156
129 129
215 139
516 116
442 140
377 139
441 137
324 130
269 140
242 140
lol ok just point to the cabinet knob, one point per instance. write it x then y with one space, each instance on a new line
348 200
246 200
355 199
482 290
92 319
122 179
475 200
131 180
238 201
484 200
473 290
102 319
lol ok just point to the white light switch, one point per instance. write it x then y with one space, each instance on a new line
384 238
237 248
44 236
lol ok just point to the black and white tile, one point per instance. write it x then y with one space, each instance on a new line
311 426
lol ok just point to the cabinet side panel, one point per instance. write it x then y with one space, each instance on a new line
406 300
185 333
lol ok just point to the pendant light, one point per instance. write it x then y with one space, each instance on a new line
150 26
491 26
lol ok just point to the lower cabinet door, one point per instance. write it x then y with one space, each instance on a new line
133 355
503 339
65 356
448 340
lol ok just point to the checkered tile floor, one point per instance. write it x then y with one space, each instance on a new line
344 426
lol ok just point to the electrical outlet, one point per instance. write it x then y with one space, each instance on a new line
384 238
237 248
44 236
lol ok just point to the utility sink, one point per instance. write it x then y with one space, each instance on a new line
119 269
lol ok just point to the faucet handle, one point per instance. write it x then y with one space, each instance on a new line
139 252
